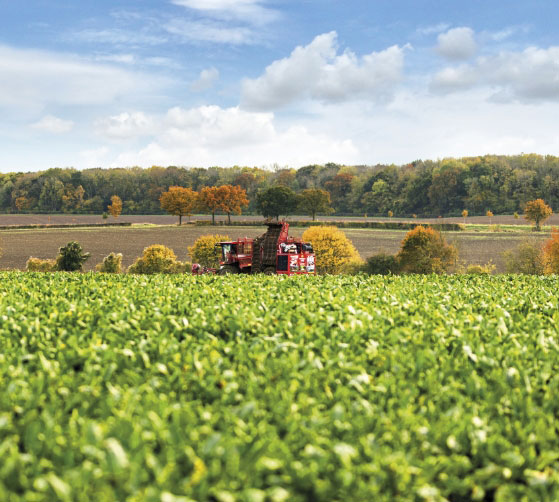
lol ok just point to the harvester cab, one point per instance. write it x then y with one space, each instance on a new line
272 253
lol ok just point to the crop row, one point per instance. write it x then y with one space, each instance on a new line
255 389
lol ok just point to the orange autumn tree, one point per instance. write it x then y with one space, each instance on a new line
231 199
179 201
208 201
551 253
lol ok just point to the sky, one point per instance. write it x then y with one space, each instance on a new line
267 83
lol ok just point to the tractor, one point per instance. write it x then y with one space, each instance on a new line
272 253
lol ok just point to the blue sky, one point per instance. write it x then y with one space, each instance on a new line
274 82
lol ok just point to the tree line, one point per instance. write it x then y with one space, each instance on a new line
446 187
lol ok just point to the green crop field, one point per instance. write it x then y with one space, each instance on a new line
269 389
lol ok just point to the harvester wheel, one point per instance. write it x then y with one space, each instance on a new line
228 269
269 270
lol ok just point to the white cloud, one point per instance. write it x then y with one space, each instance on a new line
457 44
32 79
432 29
117 58
210 31
211 135
252 11
126 125
528 76
206 80
53 125
94 157
117 37
316 71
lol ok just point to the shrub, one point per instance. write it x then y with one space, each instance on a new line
526 258
112 264
382 264
105 215
71 257
157 259
425 251
204 252
39 265
551 253
333 250
486 269
353 267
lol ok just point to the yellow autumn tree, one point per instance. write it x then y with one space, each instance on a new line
204 251
537 211
334 252
179 201
115 207
425 251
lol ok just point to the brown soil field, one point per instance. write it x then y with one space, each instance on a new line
165 219
19 245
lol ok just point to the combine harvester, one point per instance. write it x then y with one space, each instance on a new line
272 253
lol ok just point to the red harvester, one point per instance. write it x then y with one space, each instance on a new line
272 253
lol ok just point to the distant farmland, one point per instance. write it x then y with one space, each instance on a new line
19 245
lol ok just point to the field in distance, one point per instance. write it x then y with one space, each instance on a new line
165 219
474 246
180 388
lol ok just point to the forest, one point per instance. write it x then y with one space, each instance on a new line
445 187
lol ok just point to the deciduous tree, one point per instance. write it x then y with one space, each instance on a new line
157 259
334 252
208 201
179 201
204 252
71 257
551 253
537 211
22 203
115 208
425 251
231 199
275 201
313 201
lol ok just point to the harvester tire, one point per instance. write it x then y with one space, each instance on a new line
228 269
269 271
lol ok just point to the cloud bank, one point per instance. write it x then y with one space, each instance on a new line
317 71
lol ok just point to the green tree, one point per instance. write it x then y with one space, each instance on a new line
275 201
313 201
537 211
526 258
71 257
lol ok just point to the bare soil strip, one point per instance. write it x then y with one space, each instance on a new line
19 245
